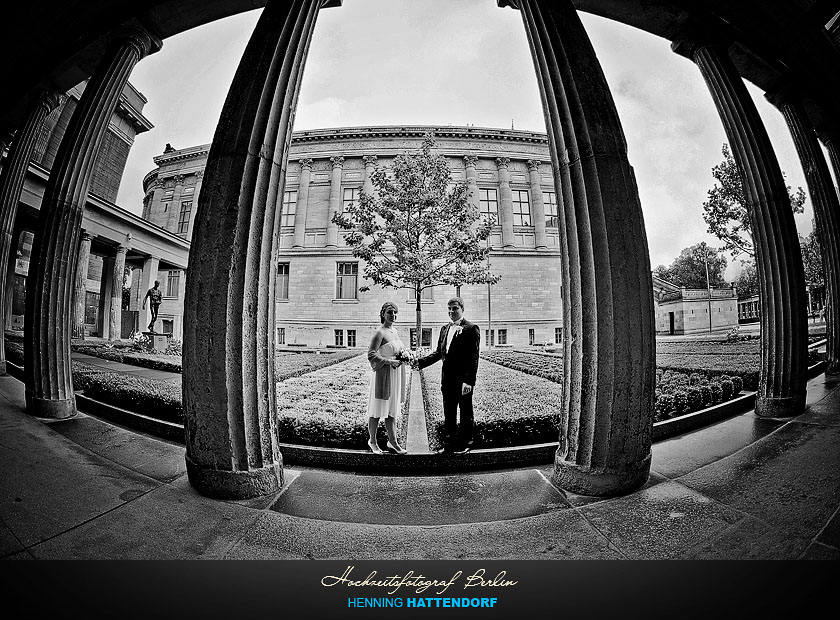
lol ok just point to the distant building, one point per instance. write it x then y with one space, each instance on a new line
318 301
690 311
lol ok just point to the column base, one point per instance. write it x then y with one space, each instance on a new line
599 482
775 407
3 368
229 484
833 368
57 409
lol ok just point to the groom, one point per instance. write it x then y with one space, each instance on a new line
458 348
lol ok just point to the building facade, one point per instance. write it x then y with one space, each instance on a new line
681 310
317 292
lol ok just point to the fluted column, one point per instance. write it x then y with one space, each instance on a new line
115 314
781 277
80 288
335 200
606 413
537 203
826 211
47 322
11 185
505 201
302 202
228 375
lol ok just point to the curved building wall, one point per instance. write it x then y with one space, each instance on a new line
314 310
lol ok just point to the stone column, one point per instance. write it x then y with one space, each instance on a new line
115 314
505 202
302 202
80 288
606 413
47 329
335 200
228 375
781 277
826 211
537 204
11 185
11 267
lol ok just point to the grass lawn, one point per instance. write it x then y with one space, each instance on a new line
511 407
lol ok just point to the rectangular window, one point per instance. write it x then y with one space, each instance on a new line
339 337
167 325
502 336
488 203
489 337
91 308
521 207
558 335
350 197
351 337
552 219
289 208
427 337
184 217
531 338
281 290
425 295
173 280
188 190
281 335
346 280
168 194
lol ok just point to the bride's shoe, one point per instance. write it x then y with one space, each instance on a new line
396 449
374 447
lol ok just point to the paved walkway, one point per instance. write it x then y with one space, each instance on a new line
743 488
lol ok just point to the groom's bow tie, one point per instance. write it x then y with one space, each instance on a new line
451 323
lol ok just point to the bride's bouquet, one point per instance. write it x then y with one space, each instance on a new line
407 356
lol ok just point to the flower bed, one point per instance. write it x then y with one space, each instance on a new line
328 407
511 408
679 393
540 365
126 355
288 364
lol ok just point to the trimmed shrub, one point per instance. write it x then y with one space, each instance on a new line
737 385
663 407
727 390
717 392
680 402
705 395
695 401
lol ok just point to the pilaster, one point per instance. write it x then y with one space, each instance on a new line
505 201
302 202
537 204
335 200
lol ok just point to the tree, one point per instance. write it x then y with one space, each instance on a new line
747 280
689 268
812 261
725 211
417 229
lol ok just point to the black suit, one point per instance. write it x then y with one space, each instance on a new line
460 365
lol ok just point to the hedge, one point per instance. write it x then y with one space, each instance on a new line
328 407
511 408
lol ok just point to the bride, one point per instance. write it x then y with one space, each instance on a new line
387 386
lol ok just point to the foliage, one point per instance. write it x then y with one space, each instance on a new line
747 280
689 268
417 229
812 260
725 211
158 399
545 366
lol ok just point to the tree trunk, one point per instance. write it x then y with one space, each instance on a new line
418 316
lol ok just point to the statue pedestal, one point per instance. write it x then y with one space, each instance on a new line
159 342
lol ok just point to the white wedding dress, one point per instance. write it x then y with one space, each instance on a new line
380 408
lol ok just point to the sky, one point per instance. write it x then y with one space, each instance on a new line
444 62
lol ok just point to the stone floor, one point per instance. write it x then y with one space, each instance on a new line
745 488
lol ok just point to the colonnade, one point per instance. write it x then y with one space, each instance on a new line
609 361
